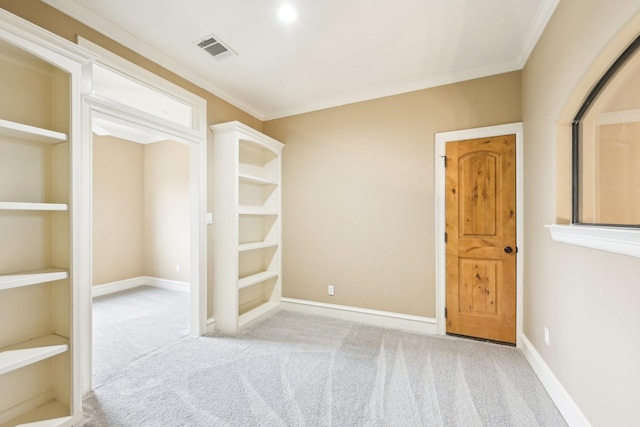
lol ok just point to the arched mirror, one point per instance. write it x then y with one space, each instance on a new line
606 147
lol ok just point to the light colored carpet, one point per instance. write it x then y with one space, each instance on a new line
301 370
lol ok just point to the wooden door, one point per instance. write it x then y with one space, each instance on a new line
481 238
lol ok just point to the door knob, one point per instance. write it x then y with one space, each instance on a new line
508 249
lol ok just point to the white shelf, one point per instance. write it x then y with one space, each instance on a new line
51 414
19 206
255 246
27 278
257 313
253 210
247 200
256 278
30 133
255 179
32 351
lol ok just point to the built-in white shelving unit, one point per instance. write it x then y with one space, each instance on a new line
247 248
39 110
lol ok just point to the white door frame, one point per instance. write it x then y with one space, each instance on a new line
95 106
441 141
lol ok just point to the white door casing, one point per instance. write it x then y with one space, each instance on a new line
98 107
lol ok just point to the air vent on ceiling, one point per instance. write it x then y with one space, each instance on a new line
214 47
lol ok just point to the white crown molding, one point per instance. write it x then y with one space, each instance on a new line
475 73
85 16
13 26
625 241
539 23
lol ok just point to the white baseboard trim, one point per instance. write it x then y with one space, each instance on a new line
566 405
385 319
211 325
174 285
134 282
120 285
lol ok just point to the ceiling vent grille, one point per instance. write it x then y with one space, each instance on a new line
214 47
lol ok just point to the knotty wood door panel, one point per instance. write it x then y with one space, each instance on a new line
481 227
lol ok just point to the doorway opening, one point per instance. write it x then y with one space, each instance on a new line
141 239
132 110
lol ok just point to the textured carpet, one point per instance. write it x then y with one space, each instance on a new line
301 370
129 325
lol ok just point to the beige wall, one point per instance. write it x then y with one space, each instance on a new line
141 210
587 298
358 192
118 209
167 208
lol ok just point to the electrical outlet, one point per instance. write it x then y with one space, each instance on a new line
546 336
177 268
331 290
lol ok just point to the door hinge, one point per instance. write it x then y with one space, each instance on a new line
444 158
445 237
445 312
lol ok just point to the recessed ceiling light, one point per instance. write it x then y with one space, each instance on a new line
287 14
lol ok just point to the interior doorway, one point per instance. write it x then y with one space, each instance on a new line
126 100
441 142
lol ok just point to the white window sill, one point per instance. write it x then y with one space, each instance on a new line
624 241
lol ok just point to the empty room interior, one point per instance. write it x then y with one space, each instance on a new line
419 212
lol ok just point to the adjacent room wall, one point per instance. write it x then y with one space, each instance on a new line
587 298
118 209
167 208
358 192
141 210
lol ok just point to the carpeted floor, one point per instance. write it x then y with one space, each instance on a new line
302 370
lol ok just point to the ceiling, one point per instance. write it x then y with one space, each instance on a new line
336 52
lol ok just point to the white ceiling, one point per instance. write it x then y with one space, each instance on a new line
336 52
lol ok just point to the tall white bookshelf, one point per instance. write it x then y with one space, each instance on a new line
39 117
247 218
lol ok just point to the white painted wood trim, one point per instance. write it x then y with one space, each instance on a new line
256 278
20 206
113 287
441 140
385 319
32 351
173 285
95 106
28 278
211 325
625 241
566 405
82 14
30 133
134 282
535 31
